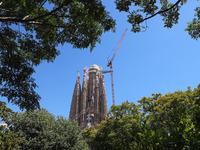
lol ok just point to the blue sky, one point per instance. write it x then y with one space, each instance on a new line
159 60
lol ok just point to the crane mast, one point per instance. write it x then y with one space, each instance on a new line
111 68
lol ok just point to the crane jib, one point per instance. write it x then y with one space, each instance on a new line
110 65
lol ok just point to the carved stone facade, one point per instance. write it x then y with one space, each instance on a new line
89 104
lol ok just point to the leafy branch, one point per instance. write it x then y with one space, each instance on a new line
53 11
33 20
161 11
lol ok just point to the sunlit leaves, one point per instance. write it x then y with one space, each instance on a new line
8 139
117 132
161 122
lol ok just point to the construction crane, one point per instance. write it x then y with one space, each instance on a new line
111 68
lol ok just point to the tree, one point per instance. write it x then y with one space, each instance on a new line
8 139
171 119
30 32
139 11
117 132
43 132
159 122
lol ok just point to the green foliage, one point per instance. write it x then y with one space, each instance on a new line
119 131
139 11
41 131
194 25
158 122
30 32
8 139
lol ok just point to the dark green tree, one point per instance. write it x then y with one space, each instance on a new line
30 32
42 131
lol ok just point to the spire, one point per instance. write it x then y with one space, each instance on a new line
74 111
103 99
83 114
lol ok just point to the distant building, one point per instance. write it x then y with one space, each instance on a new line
89 104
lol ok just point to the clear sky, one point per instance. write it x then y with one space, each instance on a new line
159 60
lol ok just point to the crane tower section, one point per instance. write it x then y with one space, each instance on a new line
111 67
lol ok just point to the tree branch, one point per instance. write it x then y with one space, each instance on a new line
46 24
42 4
4 19
33 20
159 12
67 2
9 10
61 15
14 19
24 18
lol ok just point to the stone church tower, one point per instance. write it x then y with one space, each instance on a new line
89 104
